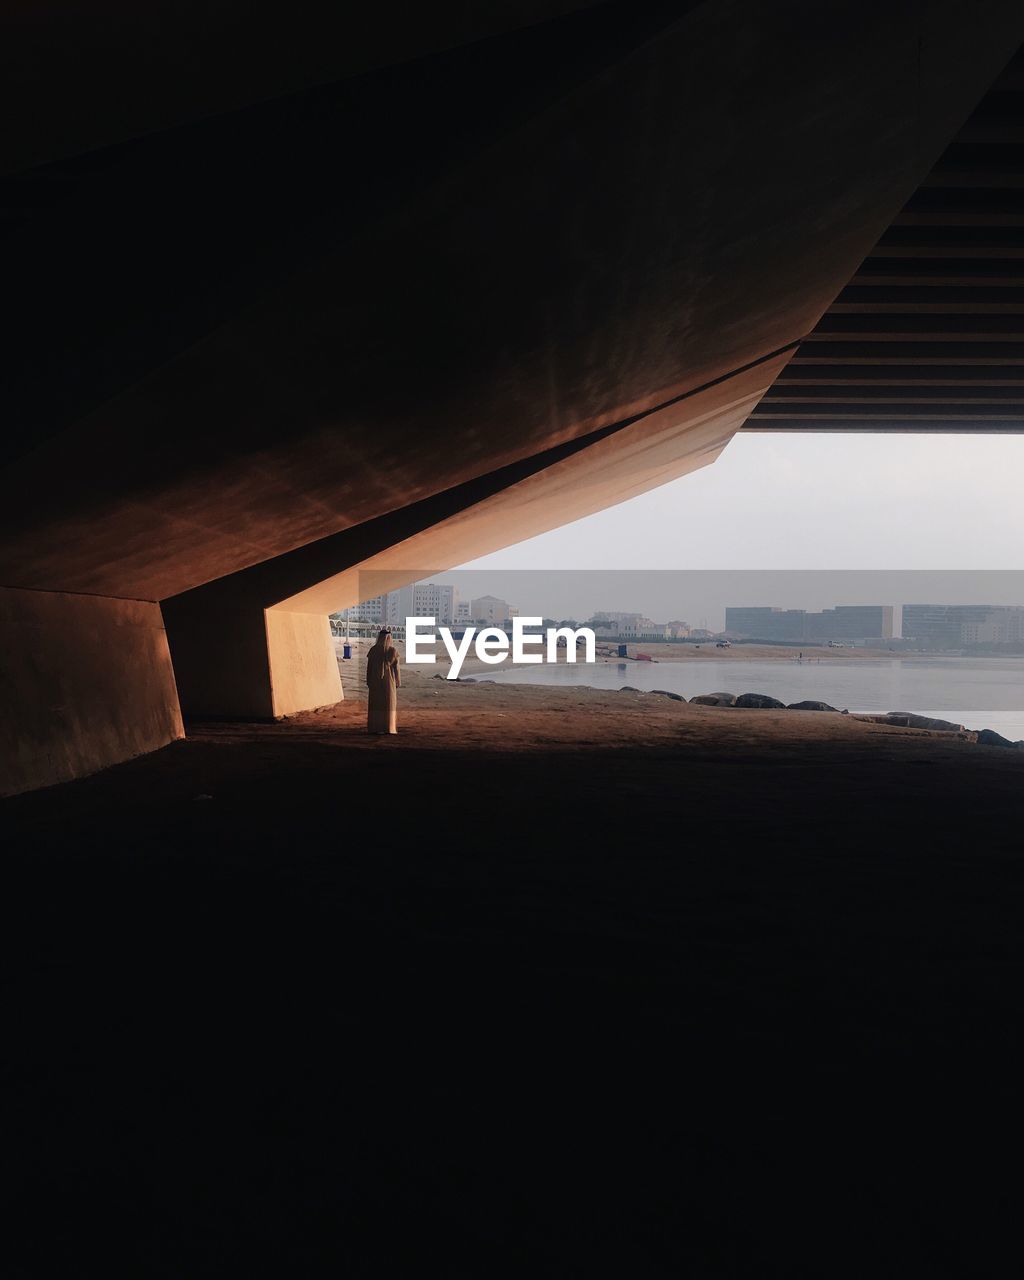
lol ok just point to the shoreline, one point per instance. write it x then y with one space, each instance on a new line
580 712
707 651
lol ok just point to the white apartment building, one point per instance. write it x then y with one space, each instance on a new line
420 600
371 610
630 626
491 611
643 629
428 600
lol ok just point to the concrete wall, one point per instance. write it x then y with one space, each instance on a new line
85 682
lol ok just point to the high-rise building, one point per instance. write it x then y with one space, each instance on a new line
372 610
844 622
427 600
951 626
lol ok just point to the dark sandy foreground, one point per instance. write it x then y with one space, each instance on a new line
552 984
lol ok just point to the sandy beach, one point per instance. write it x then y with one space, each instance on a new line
473 710
692 653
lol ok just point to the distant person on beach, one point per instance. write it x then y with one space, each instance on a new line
382 681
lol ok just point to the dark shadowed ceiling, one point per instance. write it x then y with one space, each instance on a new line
929 334
273 276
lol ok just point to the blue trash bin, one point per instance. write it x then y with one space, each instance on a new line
346 651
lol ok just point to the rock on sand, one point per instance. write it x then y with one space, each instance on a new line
989 738
908 720
761 701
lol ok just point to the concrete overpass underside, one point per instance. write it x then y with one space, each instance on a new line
397 294
929 333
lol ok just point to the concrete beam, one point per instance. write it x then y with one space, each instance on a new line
656 449
257 644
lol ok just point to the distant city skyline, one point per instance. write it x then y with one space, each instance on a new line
702 597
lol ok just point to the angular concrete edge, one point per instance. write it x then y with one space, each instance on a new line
257 644
642 455
85 682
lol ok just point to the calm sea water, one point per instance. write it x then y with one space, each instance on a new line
981 693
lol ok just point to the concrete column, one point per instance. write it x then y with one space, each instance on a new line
85 682
235 658
303 664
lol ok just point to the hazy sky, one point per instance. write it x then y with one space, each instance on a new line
811 502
